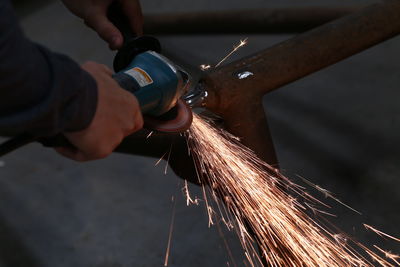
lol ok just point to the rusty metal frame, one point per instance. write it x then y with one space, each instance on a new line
239 101
267 20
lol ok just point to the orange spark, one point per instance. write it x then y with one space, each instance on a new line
171 229
204 67
328 194
149 135
167 164
259 203
189 199
380 233
162 157
235 48
389 255
228 249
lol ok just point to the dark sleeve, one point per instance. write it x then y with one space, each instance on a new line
41 92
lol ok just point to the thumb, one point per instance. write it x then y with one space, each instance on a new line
133 12
106 30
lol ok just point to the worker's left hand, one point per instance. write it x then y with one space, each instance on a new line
117 116
94 14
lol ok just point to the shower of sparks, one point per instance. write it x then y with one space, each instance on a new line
171 229
235 48
380 233
266 208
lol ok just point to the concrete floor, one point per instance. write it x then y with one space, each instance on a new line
339 128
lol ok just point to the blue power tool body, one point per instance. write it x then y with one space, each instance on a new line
152 81
157 83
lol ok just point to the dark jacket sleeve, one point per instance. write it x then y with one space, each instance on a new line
41 93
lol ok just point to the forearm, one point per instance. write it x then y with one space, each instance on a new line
41 92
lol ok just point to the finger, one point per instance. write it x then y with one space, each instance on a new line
104 69
71 154
107 70
137 117
138 121
105 29
133 12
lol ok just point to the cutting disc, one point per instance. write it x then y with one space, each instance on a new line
177 120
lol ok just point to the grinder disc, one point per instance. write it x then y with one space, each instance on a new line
177 120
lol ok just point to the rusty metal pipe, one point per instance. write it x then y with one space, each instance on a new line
238 100
302 55
278 20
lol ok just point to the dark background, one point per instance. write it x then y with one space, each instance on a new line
339 128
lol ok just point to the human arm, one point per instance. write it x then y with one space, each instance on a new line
117 116
41 92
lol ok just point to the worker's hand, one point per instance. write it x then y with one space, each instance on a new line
117 115
94 14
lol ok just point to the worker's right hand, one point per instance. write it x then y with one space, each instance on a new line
117 116
94 14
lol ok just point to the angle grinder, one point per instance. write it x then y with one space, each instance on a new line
157 83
